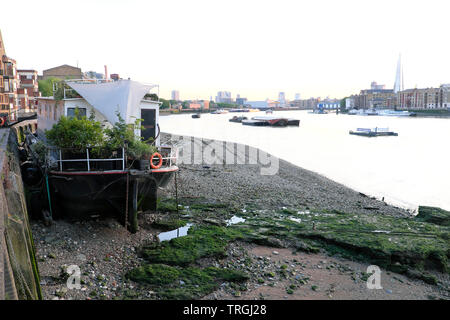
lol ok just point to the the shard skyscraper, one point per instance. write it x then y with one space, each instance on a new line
398 85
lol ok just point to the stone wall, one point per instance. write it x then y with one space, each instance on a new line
19 275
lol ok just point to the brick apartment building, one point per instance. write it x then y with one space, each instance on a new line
9 80
305 104
63 72
18 88
375 97
28 89
429 98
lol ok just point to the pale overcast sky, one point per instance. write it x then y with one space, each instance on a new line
252 48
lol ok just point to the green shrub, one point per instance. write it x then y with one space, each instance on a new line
122 133
76 132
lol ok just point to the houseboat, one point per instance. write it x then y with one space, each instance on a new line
81 183
277 121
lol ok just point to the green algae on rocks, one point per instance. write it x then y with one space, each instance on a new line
170 282
200 242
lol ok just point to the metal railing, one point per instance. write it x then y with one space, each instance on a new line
172 155
168 161
88 160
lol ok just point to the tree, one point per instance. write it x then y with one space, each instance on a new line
343 104
46 86
165 103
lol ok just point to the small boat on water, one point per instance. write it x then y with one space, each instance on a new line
271 121
375 132
269 111
219 111
396 113
363 112
318 111
385 112
238 119
239 110
196 116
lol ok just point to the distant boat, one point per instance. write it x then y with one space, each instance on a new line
396 113
196 116
383 112
318 111
371 112
220 111
237 119
375 132
256 123
363 112
269 111
271 121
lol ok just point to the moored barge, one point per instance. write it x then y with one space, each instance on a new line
375 132
81 183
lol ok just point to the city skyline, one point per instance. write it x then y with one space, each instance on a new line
340 47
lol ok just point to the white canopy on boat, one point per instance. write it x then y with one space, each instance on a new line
107 98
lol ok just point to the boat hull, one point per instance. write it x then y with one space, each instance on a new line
85 194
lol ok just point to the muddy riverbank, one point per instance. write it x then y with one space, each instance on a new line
299 236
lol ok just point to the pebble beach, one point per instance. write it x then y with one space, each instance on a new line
105 251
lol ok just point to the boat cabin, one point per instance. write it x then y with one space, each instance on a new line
104 100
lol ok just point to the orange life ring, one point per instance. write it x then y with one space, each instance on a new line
2 121
156 154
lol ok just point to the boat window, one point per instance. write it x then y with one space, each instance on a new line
71 112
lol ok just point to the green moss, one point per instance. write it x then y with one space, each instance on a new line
167 205
183 283
154 274
207 241
207 206
288 211
434 215
169 224
391 242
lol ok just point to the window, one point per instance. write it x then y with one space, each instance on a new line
71 112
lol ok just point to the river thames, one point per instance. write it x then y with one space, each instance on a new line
408 170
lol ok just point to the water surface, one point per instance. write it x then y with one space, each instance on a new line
409 170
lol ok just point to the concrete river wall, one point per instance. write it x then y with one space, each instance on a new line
19 275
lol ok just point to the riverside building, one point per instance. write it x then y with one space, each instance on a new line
428 98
